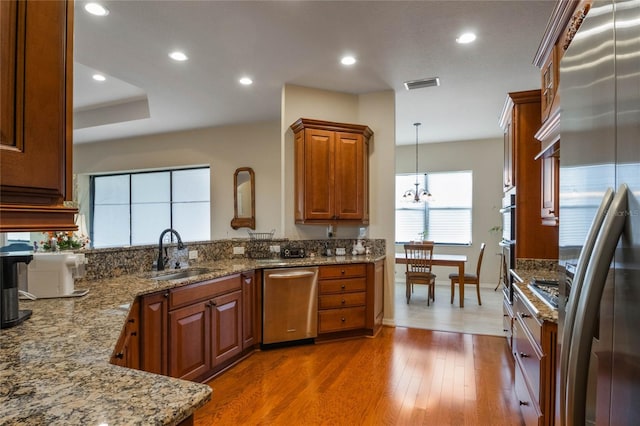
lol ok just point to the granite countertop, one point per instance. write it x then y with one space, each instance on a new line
540 308
55 370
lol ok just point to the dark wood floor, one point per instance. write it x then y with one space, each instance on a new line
404 376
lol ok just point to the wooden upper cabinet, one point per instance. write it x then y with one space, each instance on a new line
331 172
565 20
36 53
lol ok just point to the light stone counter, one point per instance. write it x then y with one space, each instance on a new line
523 277
54 367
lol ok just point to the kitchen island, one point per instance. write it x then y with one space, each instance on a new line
55 366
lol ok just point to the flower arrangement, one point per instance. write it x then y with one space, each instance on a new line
64 240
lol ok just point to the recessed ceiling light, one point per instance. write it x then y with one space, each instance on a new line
96 9
178 56
245 81
99 77
466 38
348 60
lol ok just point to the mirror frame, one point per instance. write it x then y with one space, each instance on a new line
244 222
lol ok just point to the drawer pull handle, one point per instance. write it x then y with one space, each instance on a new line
343 286
505 330
342 271
166 294
525 403
526 316
212 303
119 355
523 355
343 301
343 319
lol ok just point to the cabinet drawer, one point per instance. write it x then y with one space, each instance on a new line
507 320
346 300
341 319
343 286
528 357
522 312
192 293
343 271
528 407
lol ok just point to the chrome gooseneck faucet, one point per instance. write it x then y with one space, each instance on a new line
161 260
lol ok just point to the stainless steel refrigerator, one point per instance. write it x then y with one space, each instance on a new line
599 235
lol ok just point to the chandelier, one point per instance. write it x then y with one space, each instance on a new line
417 195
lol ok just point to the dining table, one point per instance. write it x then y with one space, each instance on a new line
443 259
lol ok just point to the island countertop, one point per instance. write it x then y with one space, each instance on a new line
55 369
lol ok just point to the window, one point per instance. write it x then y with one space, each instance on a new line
134 208
445 218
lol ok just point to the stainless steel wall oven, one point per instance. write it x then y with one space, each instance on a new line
508 241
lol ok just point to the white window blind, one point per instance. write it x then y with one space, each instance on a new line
446 218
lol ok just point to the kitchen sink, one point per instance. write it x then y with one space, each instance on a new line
183 273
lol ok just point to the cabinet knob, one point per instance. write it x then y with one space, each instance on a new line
526 316
343 301
131 320
166 294
525 403
343 319
134 333
523 355
212 303
343 286
342 271
119 355
505 330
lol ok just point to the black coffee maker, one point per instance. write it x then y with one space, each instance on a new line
10 315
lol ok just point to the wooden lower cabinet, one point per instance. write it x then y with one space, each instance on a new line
226 327
342 295
189 337
153 332
127 350
534 351
251 303
191 332
507 321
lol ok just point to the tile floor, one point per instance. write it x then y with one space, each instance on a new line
443 316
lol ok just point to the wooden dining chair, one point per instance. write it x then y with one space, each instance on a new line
418 268
473 279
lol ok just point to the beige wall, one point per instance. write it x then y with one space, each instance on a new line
484 158
376 110
224 149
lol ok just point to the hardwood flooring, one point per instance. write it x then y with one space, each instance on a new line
404 376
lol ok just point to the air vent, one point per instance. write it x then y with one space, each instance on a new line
419 84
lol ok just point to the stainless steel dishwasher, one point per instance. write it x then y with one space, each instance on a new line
290 304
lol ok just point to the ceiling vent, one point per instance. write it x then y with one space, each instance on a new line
419 84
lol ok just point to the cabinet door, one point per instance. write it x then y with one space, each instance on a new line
153 333
508 173
35 112
189 331
319 174
351 182
127 351
549 189
249 310
226 323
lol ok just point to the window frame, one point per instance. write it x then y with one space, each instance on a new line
130 203
424 183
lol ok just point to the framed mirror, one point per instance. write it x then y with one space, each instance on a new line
244 199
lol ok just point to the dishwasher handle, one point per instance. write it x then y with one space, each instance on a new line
292 274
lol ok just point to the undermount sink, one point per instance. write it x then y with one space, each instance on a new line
183 273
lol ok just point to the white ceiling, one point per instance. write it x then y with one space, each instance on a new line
300 42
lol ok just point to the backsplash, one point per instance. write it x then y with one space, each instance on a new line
115 262
536 264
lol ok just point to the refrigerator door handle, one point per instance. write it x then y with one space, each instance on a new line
576 288
588 306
